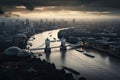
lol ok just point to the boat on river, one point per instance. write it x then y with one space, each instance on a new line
79 50
89 55
71 70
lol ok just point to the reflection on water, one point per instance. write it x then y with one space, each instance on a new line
47 55
63 56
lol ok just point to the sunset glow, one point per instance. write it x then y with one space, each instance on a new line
65 14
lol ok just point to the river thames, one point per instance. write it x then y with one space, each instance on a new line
102 67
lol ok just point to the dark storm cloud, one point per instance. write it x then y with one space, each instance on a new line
94 5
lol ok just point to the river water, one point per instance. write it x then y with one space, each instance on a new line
102 67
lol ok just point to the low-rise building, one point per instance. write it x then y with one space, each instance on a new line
102 45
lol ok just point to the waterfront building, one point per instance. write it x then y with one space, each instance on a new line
88 42
102 45
115 50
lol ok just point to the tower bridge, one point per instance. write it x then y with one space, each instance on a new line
63 46
47 45
48 48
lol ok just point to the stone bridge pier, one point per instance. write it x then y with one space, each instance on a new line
63 44
47 46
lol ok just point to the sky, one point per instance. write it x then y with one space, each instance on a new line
64 8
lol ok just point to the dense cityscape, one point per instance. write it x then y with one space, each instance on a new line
16 58
103 36
15 28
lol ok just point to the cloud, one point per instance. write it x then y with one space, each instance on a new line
85 5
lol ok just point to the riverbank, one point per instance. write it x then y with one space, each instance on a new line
34 69
107 42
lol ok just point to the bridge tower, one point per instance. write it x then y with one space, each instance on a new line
63 44
47 46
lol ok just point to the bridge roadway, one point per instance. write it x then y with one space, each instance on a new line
72 46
